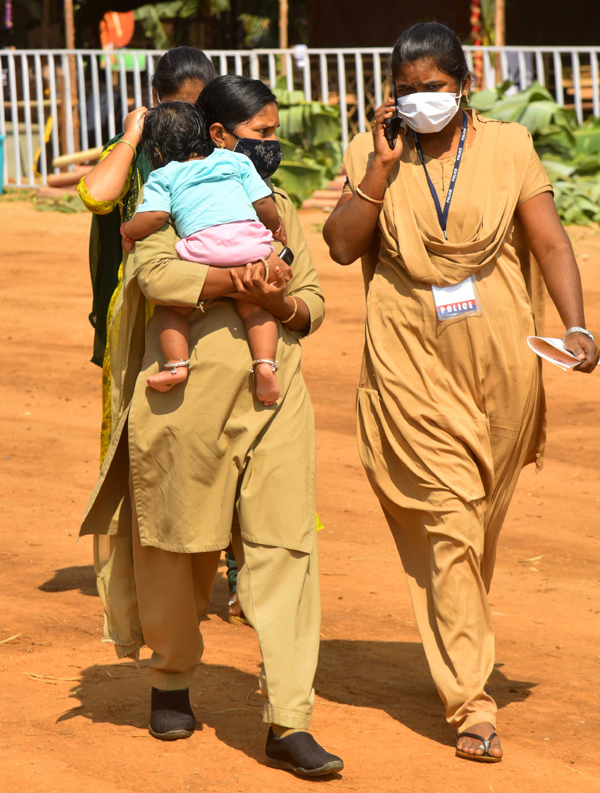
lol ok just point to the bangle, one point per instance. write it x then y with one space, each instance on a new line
368 197
131 146
578 330
264 261
293 314
125 237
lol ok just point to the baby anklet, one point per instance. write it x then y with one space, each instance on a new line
274 364
175 366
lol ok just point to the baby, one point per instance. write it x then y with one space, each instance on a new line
226 217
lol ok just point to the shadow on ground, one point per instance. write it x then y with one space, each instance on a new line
83 578
65 579
394 677
389 676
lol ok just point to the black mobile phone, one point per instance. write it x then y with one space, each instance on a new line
287 256
392 126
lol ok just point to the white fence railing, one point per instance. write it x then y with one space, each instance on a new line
57 102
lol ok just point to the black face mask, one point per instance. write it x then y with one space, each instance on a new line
264 154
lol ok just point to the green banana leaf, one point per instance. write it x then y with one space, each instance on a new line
310 136
298 179
570 153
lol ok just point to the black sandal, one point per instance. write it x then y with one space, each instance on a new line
486 757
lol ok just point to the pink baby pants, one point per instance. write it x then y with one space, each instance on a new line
228 245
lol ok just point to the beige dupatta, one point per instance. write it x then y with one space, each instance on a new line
498 168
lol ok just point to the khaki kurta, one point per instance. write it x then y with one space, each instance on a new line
204 449
449 411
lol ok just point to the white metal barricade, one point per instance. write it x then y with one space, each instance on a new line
60 101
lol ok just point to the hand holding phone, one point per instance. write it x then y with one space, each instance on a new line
392 127
386 129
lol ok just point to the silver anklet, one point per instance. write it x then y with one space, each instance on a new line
175 366
274 364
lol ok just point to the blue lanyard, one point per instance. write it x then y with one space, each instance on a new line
443 216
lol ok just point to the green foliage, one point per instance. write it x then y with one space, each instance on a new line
570 153
149 17
253 23
255 29
310 136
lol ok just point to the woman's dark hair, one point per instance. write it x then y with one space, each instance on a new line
232 99
175 132
434 41
179 65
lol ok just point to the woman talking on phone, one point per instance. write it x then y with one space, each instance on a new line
446 218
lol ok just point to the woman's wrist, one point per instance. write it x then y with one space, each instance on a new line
380 169
375 181
281 306
131 140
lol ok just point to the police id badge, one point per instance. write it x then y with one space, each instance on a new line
459 300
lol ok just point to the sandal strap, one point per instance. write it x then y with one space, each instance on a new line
486 742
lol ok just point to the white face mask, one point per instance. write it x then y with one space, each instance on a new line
428 111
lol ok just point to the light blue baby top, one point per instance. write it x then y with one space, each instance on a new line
200 193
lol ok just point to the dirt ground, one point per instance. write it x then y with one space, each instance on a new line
73 719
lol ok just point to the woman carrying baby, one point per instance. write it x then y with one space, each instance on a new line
186 465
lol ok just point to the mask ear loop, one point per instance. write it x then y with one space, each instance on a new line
459 95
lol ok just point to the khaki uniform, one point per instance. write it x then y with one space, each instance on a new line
449 411
195 457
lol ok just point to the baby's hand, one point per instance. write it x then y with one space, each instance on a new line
127 245
280 234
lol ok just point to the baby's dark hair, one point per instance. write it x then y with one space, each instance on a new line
175 132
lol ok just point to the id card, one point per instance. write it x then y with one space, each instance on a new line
459 300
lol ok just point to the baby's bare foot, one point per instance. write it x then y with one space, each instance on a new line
164 381
267 387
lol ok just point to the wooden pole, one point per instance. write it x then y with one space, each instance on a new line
69 25
283 24
500 23
283 33
70 42
499 33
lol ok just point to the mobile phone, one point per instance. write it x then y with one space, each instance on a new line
287 256
392 126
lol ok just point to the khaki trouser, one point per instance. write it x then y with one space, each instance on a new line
442 557
278 590
448 551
